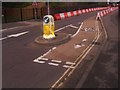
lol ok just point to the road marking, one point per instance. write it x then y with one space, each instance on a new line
54 48
77 31
38 61
14 35
73 26
66 66
84 40
19 34
62 28
3 38
77 46
70 63
54 64
45 59
56 61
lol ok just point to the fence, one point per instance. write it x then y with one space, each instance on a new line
21 14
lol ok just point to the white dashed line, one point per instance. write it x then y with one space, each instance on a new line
54 64
66 66
84 40
38 61
70 63
45 59
56 61
77 46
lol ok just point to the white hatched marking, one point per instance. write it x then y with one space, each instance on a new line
54 64
56 61
66 66
70 63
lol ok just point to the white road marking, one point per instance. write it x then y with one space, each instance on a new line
3 38
77 46
62 28
41 62
14 35
19 34
54 48
66 66
70 63
54 64
45 59
36 60
56 61
77 31
73 26
84 40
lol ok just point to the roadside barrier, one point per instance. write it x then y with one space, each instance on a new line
77 12
105 12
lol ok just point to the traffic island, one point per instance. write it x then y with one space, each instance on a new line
60 38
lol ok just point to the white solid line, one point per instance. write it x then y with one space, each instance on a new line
73 26
3 38
70 63
18 34
41 62
62 28
66 66
77 31
54 64
56 61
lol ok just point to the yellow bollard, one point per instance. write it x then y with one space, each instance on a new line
48 27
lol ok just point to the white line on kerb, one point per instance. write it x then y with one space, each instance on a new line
54 64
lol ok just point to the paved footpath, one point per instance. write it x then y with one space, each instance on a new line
104 73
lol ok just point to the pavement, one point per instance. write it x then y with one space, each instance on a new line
104 73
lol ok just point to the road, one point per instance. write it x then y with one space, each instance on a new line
19 51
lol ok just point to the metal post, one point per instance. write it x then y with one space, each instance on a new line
35 13
48 8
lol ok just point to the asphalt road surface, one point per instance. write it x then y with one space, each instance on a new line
19 51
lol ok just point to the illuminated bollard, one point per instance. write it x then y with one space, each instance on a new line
48 27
